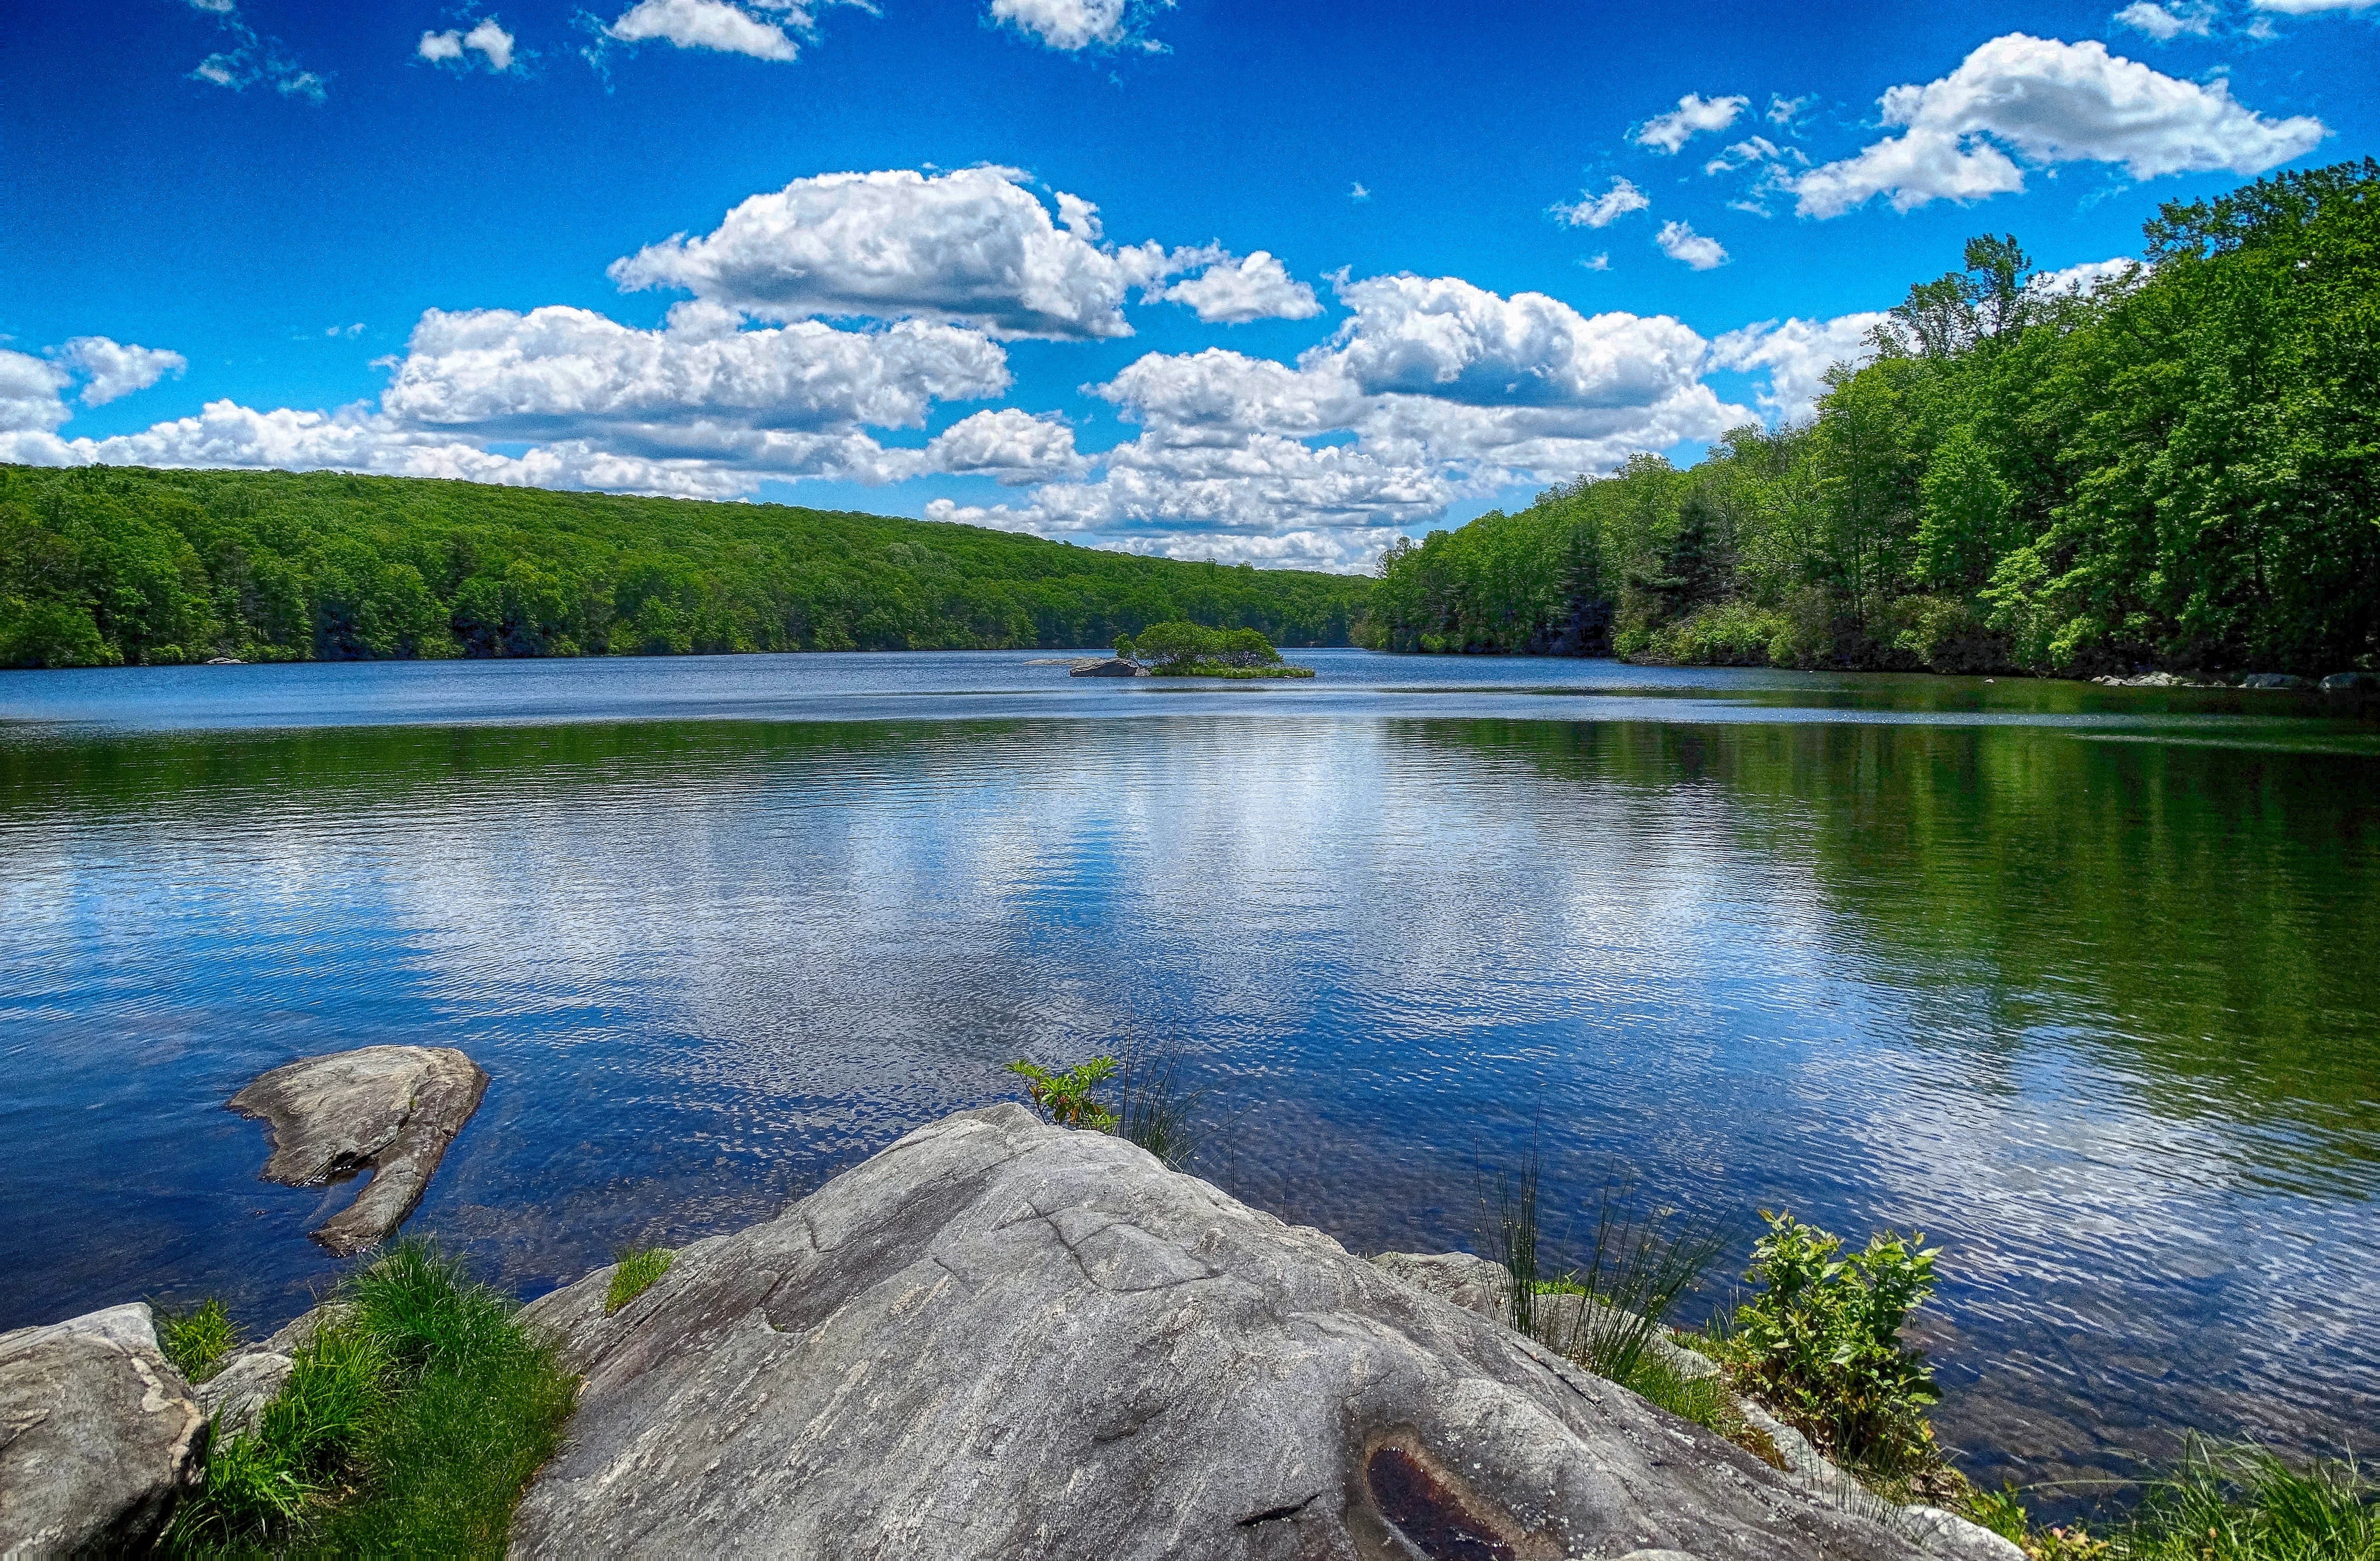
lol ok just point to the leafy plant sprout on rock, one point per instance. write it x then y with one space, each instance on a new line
1821 1342
1064 1097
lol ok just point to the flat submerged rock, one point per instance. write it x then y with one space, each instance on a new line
391 1110
999 1338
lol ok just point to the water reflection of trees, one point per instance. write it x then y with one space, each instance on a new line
2203 915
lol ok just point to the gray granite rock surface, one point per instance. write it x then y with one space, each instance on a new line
235 1396
391 1110
99 1435
1002 1339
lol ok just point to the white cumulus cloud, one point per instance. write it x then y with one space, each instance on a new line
698 407
2049 103
559 371
708 24
1601 211
1682 243
487 37
1434 390
2083 279
1067 25
1793 355
2166 23
1258 287
251 58
30 402
2311 7
1748 152
1008 444
972 247
112 370
1693 115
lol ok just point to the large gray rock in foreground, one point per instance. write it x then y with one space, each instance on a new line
99 1435
1114 667
389 1109
999 1338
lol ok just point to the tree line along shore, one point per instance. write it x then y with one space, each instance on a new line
2179 470
116 567
2174 469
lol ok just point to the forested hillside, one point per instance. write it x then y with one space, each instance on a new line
2181 470
102 566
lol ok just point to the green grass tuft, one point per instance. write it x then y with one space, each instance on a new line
1153 1109
2236 1503
638 1267
409 1425
1703 1400
197 1340
252 1496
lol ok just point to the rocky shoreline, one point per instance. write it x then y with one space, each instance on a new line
1002 1337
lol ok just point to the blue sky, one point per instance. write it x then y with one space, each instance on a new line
1421 261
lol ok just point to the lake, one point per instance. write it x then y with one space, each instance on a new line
2081 981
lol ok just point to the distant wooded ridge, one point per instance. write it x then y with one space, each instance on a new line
115 565
2179 470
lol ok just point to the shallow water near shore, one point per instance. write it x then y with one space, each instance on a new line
2079 981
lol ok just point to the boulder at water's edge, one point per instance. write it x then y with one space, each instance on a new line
99 1434
999 1338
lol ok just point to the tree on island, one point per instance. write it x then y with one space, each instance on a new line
1183 649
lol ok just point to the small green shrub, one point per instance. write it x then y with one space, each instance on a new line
638 1267
197 1340
1727 633
1945 635
1821 1342
2001 1511
1064 1098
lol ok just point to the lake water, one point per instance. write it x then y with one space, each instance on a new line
2084 983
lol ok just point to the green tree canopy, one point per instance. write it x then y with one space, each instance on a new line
2178 469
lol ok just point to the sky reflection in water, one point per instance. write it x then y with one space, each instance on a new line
1891 951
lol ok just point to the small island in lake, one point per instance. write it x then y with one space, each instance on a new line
1192 650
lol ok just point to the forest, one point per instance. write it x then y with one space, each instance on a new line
2177 470
110 566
